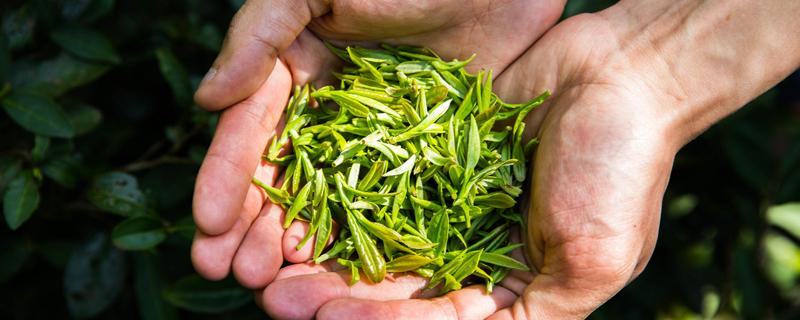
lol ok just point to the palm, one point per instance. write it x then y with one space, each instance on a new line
237 228
598 179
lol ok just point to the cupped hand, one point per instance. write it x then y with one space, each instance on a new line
599 175
236 227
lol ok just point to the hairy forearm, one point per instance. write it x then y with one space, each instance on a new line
710 57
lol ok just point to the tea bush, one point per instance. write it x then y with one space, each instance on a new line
101 143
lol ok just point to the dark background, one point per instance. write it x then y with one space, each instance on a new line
111 187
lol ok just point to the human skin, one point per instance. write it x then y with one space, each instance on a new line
237 229
631 85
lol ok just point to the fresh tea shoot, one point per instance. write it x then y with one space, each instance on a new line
406 157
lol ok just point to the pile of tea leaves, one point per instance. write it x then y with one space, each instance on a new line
407 158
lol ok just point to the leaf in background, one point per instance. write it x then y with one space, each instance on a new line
746 152
5 58
782 261
55 76
56 252
786 216
39 114
72 9
236 4
86 43
84 118
790 187
149 283
184 227
9 167
681 205
20 200
168 187
41 145
750 281
173 71
98 9
118 193
791 158
208 36
63 168
138 233
789 172
18 26
14 255
93 277
199 295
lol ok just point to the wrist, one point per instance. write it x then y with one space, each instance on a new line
707 59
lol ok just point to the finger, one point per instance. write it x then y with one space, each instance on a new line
292 238
305 268
260 30
472 302
212 255
301 296
259 257
241 137
307 56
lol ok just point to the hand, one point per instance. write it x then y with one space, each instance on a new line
236 227
624 102
599 176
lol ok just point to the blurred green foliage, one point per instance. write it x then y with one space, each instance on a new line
101 142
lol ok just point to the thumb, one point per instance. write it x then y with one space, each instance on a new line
260 30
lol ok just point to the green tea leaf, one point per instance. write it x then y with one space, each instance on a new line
473 147
324 226
449 168
372 177
299 203
277 196
438 231
407 262
503 261
374 265
496 200
403 168
418 129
